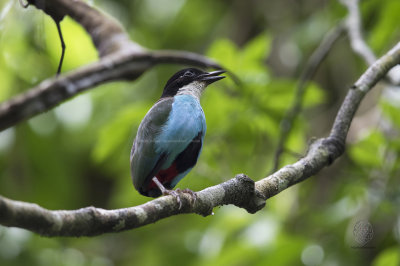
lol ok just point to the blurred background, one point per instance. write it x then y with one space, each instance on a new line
77 154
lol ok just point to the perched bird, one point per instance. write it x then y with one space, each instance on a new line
170 137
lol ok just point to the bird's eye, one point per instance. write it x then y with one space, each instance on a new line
188 74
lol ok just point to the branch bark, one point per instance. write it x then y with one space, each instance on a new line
94 221
118 66
240 191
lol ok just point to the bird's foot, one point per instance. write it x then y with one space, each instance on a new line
166 192
188 191
175 194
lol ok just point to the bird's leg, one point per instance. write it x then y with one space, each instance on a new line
165 191
188 191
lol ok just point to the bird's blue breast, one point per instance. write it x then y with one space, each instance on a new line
185 121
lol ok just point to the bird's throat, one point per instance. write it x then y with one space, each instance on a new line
194 89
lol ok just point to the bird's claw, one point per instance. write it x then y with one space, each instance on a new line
192 194
175 194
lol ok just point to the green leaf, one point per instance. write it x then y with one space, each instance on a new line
366 152
79 47
258 48
389 257
392 112
387 27
314 95
225 52
114 134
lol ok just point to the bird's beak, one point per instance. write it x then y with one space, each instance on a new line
211 77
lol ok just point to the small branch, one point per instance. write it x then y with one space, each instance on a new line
240 191
310 69
183 57
353 25
357 42
118 66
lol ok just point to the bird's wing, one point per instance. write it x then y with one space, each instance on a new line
163 135
145 159
186 120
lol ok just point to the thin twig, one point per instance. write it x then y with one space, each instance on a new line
62 46
357 41
353 25
310 69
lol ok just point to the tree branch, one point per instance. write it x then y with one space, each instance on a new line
94 221
118 66
240 191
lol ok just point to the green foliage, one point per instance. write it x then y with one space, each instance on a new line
112 136
385 32
389 257
366 152
79 48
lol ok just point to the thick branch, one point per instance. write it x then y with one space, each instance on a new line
94 221
240 191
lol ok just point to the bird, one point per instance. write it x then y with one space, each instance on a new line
170 137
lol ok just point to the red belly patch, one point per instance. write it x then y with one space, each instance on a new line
165 176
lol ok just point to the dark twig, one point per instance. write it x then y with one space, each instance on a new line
310 69
62 46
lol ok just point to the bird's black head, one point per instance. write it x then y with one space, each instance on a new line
189 76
